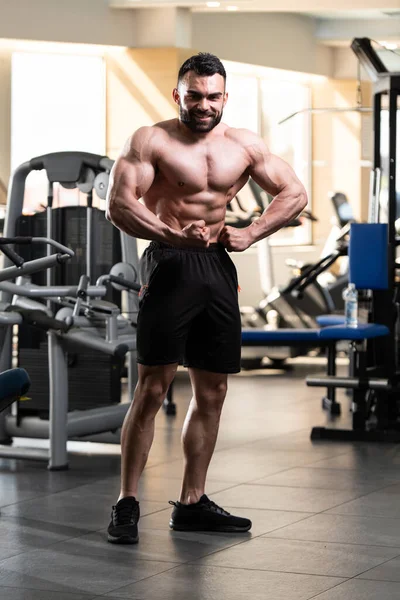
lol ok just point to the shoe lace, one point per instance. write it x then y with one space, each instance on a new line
218 509
210 505
128 513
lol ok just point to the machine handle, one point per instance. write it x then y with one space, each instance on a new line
24 240
129 285
54 244
33 266
13 256
41 319
16 240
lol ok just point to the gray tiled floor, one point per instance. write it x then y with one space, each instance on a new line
326 517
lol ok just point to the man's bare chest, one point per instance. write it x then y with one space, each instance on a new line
215 166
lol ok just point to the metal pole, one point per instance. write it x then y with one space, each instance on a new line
58 379
89 235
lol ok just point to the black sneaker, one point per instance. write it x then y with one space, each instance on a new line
205 515
123 528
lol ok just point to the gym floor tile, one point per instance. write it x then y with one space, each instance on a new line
312 558
283 498
357 589
10 593
328 479
19 485
60 569
209 583
299 441
154 545
241 464
385 503
79 507
151 488
388 571
366 458
263 521
369 531
20 535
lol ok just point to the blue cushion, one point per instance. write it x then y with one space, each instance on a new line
279 335
327 320
14 383
368 256
291 336
362 332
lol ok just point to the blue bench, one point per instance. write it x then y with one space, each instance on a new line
325 337
13 384
368 264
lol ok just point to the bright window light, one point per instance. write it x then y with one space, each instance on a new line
213 4
58 103
232 8
388 45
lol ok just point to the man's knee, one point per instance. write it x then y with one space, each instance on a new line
210 398
152 389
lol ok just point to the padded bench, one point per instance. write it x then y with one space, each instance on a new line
325 337
13 384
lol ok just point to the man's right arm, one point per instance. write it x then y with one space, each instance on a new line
131 177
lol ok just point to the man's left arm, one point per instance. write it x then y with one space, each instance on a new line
277 178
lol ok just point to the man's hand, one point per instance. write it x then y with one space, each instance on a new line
234 239
196 234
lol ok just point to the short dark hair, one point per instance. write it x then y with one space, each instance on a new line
203 64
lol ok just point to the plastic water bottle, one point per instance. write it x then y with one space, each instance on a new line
350 297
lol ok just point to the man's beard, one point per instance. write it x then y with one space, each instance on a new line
196 125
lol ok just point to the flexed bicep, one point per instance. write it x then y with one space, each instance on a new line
132 174
131 177
276 177
272 173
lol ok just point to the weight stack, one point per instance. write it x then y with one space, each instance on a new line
69 228
94 380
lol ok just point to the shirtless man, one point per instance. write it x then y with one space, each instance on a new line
187 170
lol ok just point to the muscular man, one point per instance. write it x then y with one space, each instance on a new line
186 171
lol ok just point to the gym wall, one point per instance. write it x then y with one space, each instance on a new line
139 90
279 40
79 21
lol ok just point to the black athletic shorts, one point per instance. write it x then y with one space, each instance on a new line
188 308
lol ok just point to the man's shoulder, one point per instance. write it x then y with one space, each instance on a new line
146 140
155 131
164 129
244 137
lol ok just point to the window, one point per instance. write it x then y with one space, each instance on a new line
242 108
58 104
290 140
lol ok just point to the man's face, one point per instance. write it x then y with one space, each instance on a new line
201 101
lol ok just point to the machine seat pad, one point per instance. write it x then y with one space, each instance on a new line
14 382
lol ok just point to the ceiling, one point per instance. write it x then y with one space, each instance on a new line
335 22
327 9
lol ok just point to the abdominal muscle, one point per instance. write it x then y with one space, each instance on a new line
177 213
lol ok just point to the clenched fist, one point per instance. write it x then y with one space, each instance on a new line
234 239
196 234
